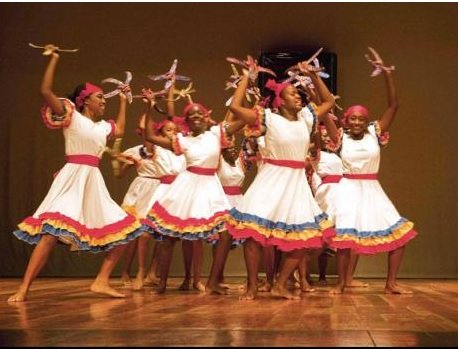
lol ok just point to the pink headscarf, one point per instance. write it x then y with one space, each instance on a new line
205 111
159 125
356 109
277 88
189 106
86 92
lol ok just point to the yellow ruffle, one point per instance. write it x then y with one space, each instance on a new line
90 240
303 235
189 229
132 210
397 234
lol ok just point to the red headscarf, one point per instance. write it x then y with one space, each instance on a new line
355 109
86 92
277 88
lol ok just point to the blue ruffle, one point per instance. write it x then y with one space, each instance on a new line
148 229
371 234
246 217
76 244
203 235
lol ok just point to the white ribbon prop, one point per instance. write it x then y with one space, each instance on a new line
119 87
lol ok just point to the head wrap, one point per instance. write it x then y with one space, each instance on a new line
159 125
356 109
86 92
204 110
277 88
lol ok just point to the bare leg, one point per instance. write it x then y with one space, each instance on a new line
128 258
101 282
343 259
198 256
291 262
221 252
142 251
221 282
349 282
252 252
322 266
188 252
304 284
37 260
394 262
269 264
166 258
151 278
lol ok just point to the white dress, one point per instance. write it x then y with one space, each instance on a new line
278 208
78 208
137 200
330 164
231 177
367 220
194 206
139 197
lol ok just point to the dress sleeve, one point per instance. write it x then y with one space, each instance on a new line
179 144
382 138
309 115
326 141
258 128
108 127
54 121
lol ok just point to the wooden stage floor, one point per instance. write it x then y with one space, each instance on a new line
62 312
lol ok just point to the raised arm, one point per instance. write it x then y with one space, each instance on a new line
170 101
150 136
327 99
333 132
47 84
241 114
388 116
121 119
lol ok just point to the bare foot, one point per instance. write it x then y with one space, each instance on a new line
395 289
211 289
19 296
224 285
281 292
265 287
356 283
306 287
106 289
137 284
185 285
151 281
249 295
160 289
199 286
338 289
125 280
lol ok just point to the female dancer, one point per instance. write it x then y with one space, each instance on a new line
278 209
368 223
78 210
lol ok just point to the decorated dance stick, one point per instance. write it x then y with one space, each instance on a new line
50 48
170 76
336 97
234 81
308 62
320 69
377 63
120 86
252 65
186 92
